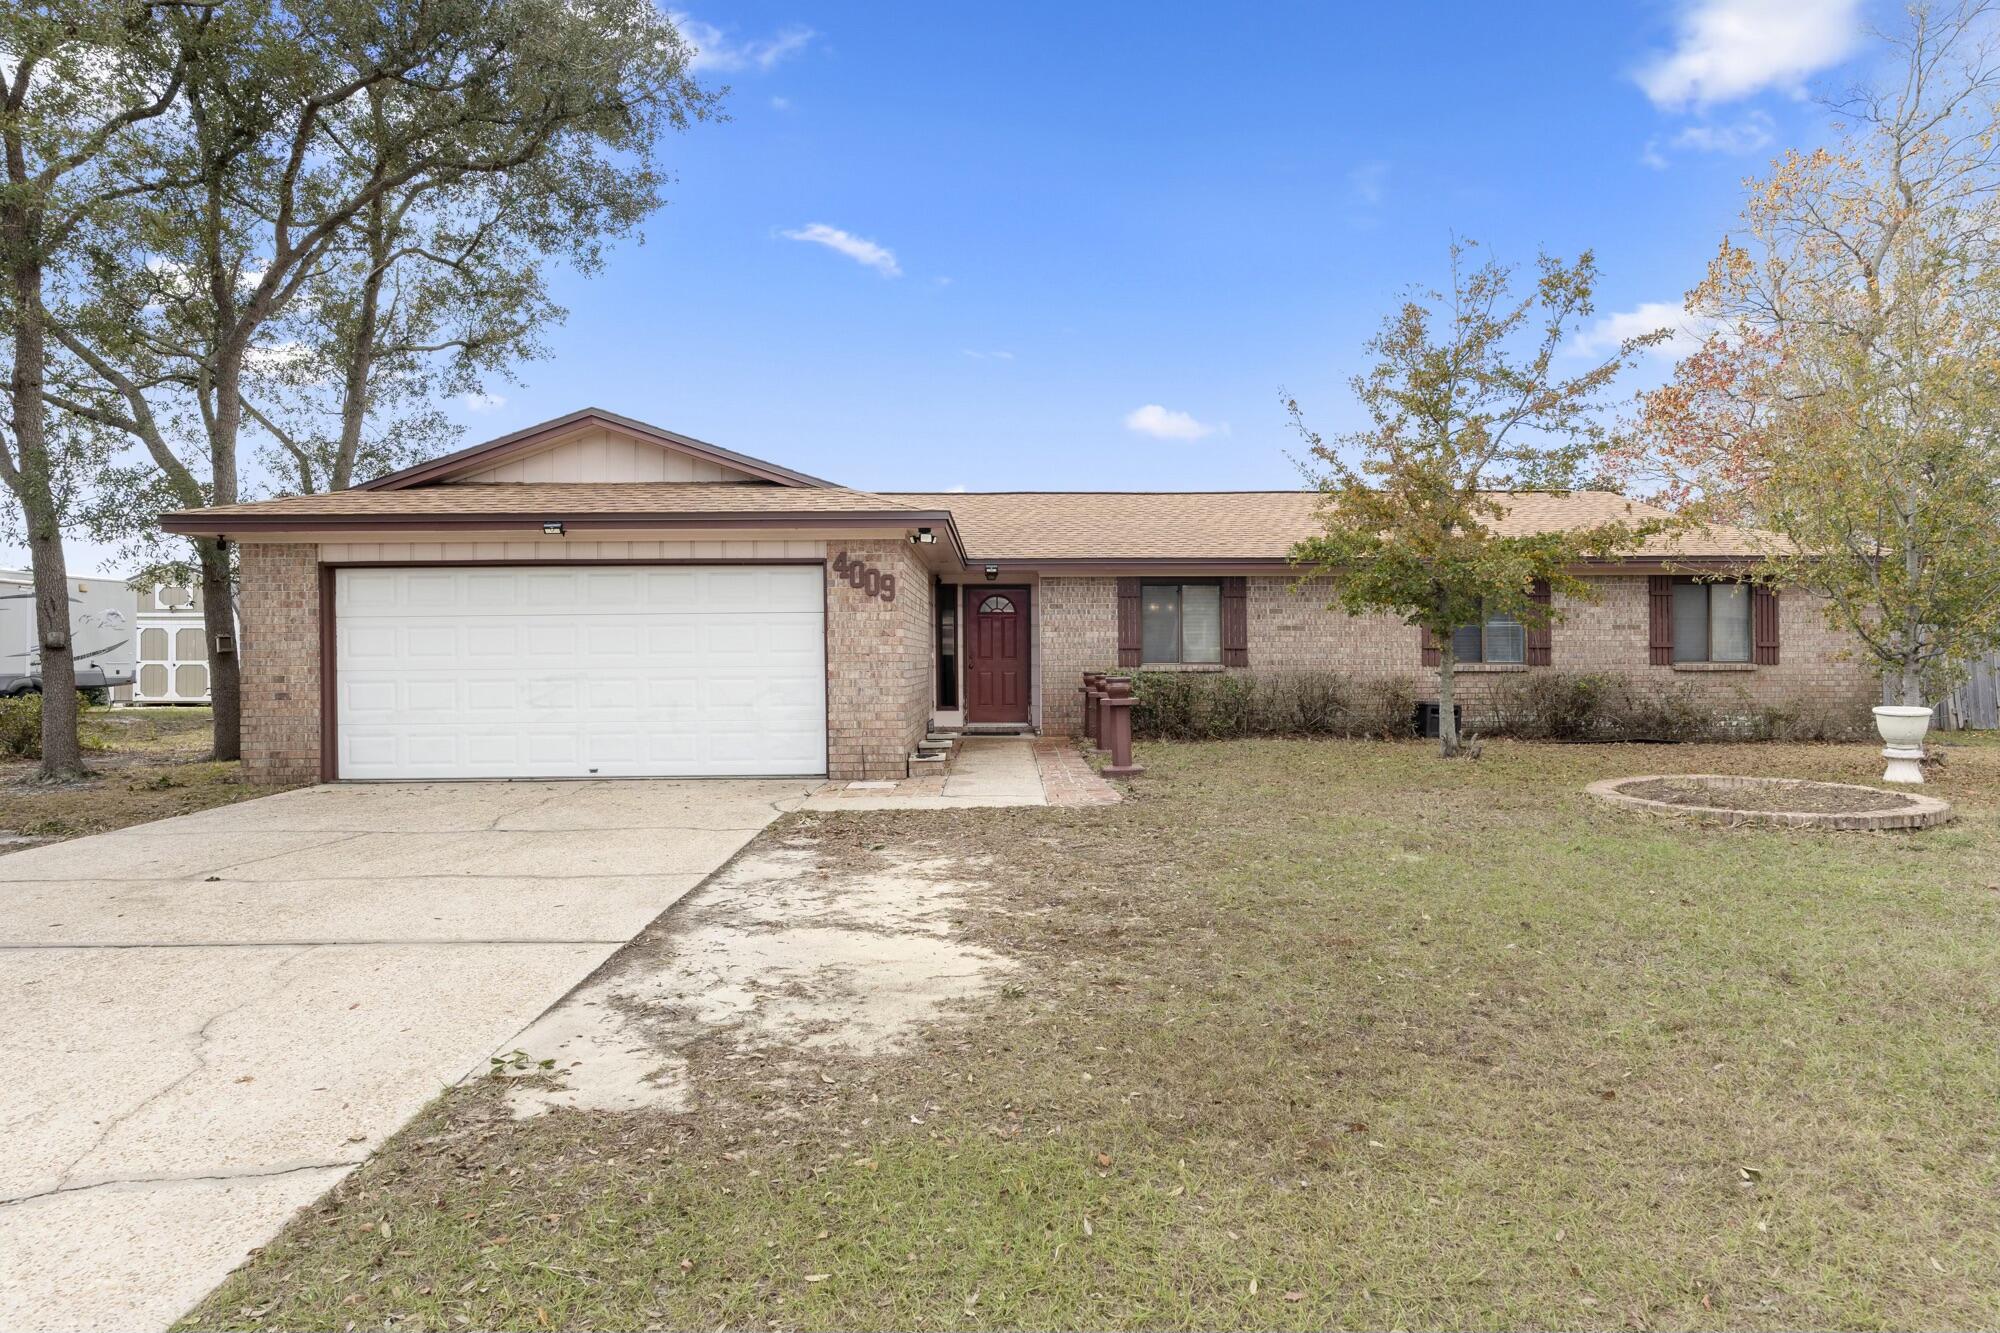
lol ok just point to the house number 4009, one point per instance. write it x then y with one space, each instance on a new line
872 581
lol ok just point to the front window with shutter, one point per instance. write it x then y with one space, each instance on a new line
1500 638
1180 622
1711 622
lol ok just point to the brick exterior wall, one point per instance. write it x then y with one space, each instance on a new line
1079 633
878 663
1294 631
278 606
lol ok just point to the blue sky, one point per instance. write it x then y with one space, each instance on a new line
1046 220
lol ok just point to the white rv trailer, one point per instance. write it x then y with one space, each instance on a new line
102 632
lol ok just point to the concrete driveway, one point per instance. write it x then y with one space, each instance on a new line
211 1019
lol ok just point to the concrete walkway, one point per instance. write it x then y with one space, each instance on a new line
987 771
212 1019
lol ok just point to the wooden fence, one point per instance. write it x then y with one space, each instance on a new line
1975 705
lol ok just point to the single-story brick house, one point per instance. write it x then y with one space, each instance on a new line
596 596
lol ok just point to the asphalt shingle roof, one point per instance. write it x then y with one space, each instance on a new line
1244 525
1013 526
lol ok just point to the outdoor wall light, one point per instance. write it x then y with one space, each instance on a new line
992 573
552 529
925 537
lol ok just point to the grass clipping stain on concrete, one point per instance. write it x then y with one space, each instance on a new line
784 951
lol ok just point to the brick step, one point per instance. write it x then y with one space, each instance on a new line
932 762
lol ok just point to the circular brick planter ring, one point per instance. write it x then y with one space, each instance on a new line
1773 802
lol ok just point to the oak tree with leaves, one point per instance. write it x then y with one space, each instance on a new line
1465 404
360 188
1846 397
86 89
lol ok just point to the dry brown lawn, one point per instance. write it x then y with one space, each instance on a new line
1307 1034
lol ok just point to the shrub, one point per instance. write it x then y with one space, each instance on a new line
1554 707
21 726
1204 706
1562 706
1559 706
1810 719
1536 706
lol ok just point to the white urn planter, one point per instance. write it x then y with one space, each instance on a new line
1902 727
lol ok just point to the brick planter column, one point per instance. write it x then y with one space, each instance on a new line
1093 697
1116 724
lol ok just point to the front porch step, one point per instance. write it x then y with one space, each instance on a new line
937 745
929 762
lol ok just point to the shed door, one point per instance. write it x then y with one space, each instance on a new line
580 671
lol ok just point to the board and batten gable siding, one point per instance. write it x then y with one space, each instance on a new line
1293 629
603 455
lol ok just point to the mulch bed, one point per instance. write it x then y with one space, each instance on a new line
1810 797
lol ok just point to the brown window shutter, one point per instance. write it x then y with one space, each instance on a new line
1427 649
1764 626
1128 622
1542 637
1660 619
1235 622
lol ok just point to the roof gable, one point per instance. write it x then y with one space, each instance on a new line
592 446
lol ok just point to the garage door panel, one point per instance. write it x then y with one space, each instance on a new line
573 671
492 639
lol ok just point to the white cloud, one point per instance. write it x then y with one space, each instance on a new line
484 402
1747 135
1726 49
715 49
781 104
860 250
1166 424
1603 337
954 490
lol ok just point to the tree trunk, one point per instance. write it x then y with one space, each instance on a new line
29 477
62 752
1910 685
1447 704
225 670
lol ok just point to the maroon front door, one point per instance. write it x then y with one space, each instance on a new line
996 654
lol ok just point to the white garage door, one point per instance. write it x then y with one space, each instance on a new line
581 671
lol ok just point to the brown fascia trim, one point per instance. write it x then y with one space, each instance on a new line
1116 564
1281 564
236 528
531 436
1671 564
